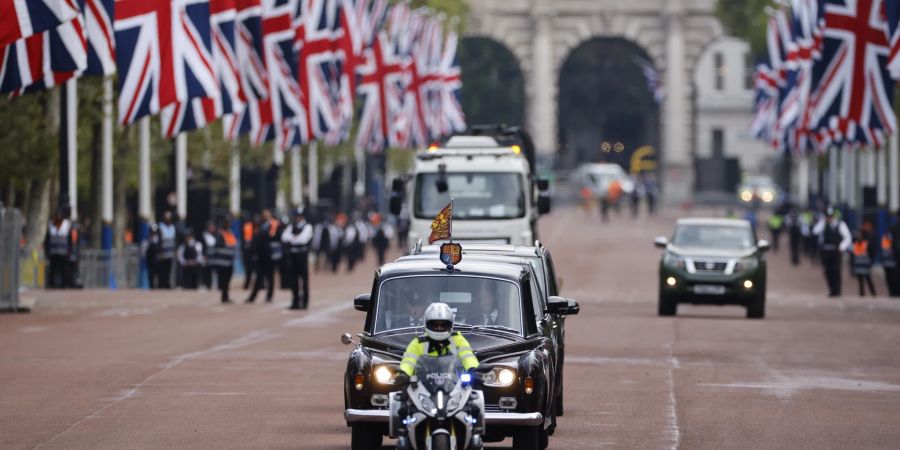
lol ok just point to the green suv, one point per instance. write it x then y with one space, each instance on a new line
713 262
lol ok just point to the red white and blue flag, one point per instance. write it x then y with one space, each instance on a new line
280 60
98 20
320 70
20 19
892 17
381 89
854 93
43 60
451 116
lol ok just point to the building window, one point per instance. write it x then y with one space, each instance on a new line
748 71
718 143
721 70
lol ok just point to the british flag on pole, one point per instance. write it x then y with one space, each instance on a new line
892 17
854 93
20 19
43 60
381 89
98 18
254 79
452 118
319 67
278 52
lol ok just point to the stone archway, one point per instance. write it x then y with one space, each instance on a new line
495 85
604 97
542 33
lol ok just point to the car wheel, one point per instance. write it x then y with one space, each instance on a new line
559 398
365 436
527 438
667 305
757 308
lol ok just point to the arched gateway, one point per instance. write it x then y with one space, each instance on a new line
542 34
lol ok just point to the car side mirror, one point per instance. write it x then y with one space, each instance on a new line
543 184
346 339
361 302
562 306
543 203
763 245
661 242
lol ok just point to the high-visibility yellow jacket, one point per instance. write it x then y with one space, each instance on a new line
458 345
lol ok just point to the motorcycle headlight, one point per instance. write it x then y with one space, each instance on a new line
746 264
384 375
426 403
674 261
746 195
453 403
500 377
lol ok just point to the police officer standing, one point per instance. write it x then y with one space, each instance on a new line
166 254
190 258
221 258
296 238
267 246
209 243
57 246
834 239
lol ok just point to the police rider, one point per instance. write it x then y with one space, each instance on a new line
439 340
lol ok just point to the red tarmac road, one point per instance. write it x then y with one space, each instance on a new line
139 369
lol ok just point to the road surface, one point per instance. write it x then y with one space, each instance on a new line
140 369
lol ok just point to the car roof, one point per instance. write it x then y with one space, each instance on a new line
489 249
433 266
714 221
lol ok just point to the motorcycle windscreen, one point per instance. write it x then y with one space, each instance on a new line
438 372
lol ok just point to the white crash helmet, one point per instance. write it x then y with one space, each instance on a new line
438 321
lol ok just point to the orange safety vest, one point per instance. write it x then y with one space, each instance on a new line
273 227
860 248
248 231
887 243
229 238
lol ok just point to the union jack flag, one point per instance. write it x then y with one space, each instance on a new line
451 116
320 67
254 79
419 78
98 19
20 19
381 88
892 16
280 61
765 107
854 95
43 60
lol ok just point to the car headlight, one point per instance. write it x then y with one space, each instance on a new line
499 377
673 260
746 264
746 195
384 375
767 196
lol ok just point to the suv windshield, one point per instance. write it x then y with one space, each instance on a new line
474 300
721 237
476 195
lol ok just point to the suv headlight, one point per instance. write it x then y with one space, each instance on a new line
746 264
672 260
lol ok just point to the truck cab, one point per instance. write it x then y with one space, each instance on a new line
496 197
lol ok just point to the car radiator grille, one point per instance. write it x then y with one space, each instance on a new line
709 266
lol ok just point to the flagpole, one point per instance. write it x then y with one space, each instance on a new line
359 188
145 209
296 177
181 176
892 176
106 211
234 182
278 160
313 168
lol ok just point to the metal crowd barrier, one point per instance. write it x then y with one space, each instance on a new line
116 269
10 235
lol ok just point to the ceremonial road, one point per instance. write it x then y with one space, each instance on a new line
139 369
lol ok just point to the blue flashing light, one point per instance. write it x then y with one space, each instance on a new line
465 378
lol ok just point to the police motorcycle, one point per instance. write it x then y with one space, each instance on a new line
438 408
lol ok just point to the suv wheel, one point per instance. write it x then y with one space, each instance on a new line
757 308
667 305
527 438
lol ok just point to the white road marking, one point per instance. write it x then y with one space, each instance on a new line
33 329
674 431
786 386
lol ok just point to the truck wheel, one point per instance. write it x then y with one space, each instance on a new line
364 436
527 438
667 305
757 308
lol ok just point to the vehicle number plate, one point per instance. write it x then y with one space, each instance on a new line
709 289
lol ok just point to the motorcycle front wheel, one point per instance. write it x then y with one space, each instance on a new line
440 442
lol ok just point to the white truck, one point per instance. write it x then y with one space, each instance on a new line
496 197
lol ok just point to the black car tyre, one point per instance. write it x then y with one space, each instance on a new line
365 436
667 305
528 438
559 398
757 308
440 442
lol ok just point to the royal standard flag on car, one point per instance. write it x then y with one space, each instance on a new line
441 227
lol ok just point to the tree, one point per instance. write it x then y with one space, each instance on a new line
746 19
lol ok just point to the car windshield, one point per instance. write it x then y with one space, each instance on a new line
474 300
720 237
476 195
